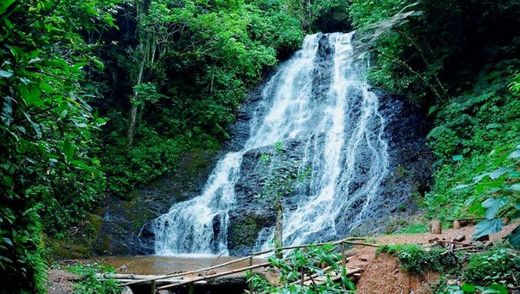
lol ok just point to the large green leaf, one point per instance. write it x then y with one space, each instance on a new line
493 205
494 174
487 227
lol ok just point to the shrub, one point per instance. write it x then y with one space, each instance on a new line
90 284
415 259
500 264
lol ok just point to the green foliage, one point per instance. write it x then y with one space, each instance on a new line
468 288
323 15
283 175
493 271
48 167
415 259
421 51
413 228
304 263
500 264
485 136
427 50
185 66
90 284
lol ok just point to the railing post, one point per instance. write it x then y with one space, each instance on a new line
153 287
343 255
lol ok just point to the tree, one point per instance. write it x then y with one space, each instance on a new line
47 164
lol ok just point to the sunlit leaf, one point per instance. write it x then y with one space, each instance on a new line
514 154
458 158
493 205
5 74
487 227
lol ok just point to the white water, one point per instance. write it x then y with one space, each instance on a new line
342 132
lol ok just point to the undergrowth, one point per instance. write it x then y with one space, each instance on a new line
90 284
491 271
415 259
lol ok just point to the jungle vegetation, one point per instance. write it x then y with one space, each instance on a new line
98 97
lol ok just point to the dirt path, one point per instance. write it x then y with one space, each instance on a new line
61 282
382 274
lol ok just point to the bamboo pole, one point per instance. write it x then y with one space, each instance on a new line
216 275
174 275
348 240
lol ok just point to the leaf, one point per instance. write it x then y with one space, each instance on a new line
458 157
7 111
515 154
31 95
468 288
493 175
35 126
515 187
514 238
493 205
493 126
495 289
498 172
487 227
8 241
5 74
437 131
4 5
68 150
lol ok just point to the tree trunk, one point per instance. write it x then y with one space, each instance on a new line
133 102
278 236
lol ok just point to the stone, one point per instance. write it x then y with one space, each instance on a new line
483 238
456 224
435 227
125 226
459 238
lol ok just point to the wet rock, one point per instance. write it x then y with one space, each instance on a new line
126 223
410 165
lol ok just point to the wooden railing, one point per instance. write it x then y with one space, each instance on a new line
175 279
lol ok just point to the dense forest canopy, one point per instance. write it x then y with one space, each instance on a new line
101 96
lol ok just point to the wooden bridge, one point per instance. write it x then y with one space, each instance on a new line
253 262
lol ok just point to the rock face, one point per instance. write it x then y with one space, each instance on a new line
409 172
125 229
292 170
409 176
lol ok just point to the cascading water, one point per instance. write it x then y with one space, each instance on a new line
321 100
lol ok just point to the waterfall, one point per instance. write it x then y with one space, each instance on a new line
321 99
